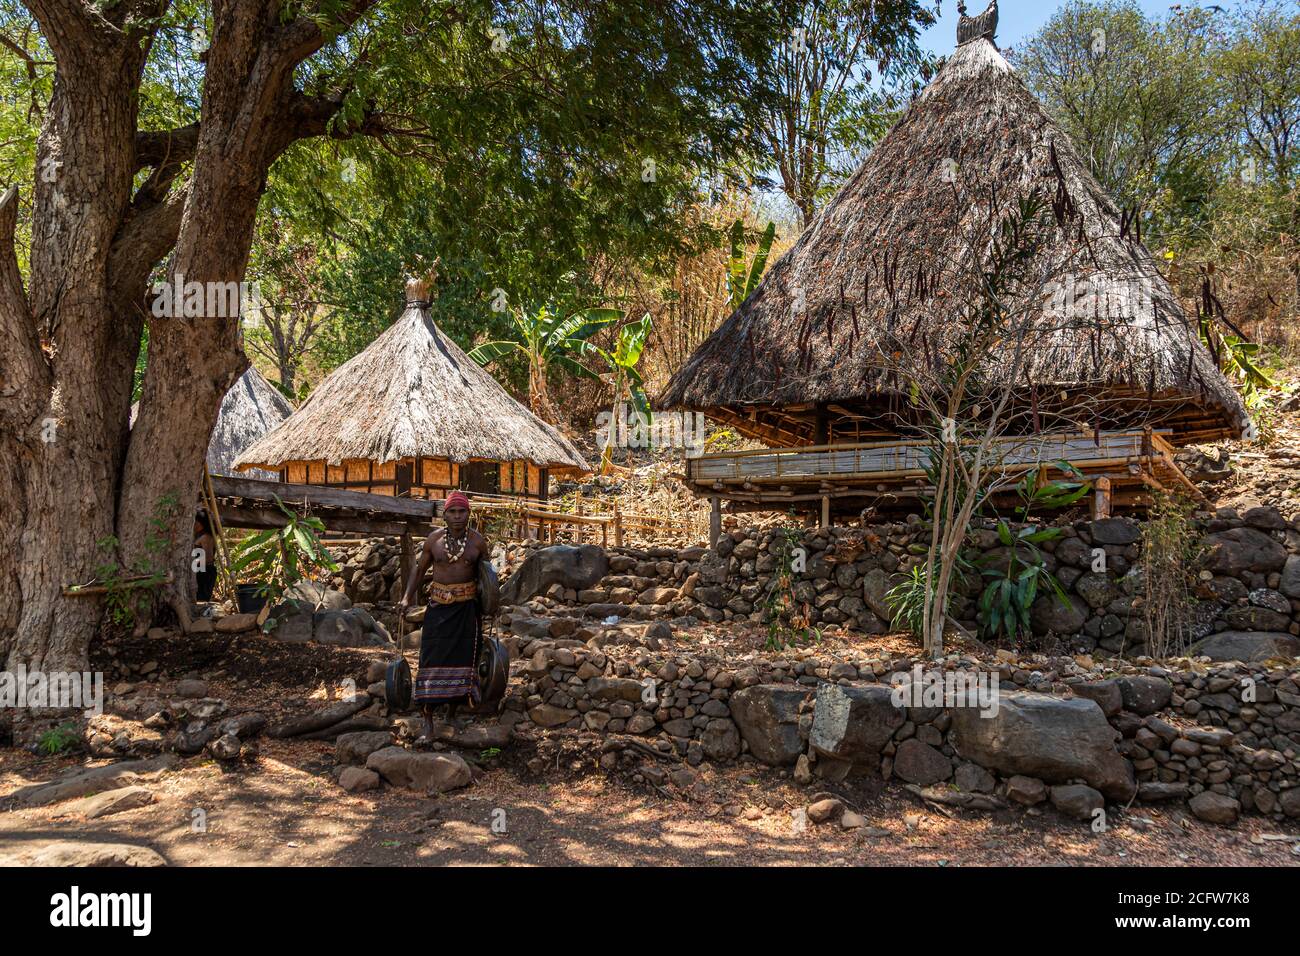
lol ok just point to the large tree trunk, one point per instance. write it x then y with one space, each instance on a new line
70 408
194 361
75 497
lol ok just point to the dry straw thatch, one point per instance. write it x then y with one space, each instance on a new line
250 409
879 265
413 394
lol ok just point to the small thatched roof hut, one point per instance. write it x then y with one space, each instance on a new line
250 409
414 415
800 361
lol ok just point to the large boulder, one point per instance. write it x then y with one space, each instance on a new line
1246 646
921 764
1078 801
1238 550
570 567
351 628
1054 739
1290 585
1116 531
428 772
1144 694
854 723
63 853
768 718
875 585
1050 614
1215 808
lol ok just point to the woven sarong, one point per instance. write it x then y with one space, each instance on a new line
448 654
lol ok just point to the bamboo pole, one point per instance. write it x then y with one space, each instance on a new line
220 552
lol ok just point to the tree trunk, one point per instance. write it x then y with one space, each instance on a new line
64 435
194 361
69 482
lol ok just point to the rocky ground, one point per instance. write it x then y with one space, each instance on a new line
228 747
283 808
542 797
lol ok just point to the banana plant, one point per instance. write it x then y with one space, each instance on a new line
1238 360
626 379
549 338
278 558
742 276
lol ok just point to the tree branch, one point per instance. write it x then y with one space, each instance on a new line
303 37
23 369
159 148
75 31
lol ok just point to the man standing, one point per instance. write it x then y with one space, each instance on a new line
449 643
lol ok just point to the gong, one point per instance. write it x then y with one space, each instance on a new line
493 675
397 685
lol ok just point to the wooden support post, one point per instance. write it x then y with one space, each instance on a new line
715 520
1101 499
405 572
826 511
821 425
618 526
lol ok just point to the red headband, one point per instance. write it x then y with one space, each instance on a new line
455 498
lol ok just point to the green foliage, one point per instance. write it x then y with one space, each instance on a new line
629 345
129 590
1012 589
1238 359
906 600
1133 94
59 739
538 165
743 275
844 72
278 558
787 622
548 338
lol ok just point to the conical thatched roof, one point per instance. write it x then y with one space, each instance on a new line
413 394
871 269
250 409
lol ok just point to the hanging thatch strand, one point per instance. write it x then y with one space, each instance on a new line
413 394
898 238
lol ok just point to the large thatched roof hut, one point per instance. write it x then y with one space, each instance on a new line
799 363
413 415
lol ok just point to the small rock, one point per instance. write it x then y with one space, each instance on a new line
1215 808
824 811
358 779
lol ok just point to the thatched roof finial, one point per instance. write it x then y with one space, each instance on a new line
972 28
418 287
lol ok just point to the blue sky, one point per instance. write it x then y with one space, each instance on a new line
1018 19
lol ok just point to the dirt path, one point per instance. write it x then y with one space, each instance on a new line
283 809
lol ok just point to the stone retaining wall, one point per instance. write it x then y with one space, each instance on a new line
1226 739
1247 593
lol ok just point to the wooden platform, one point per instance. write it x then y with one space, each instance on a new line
892 473
250 503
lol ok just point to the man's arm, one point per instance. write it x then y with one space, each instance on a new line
417 575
